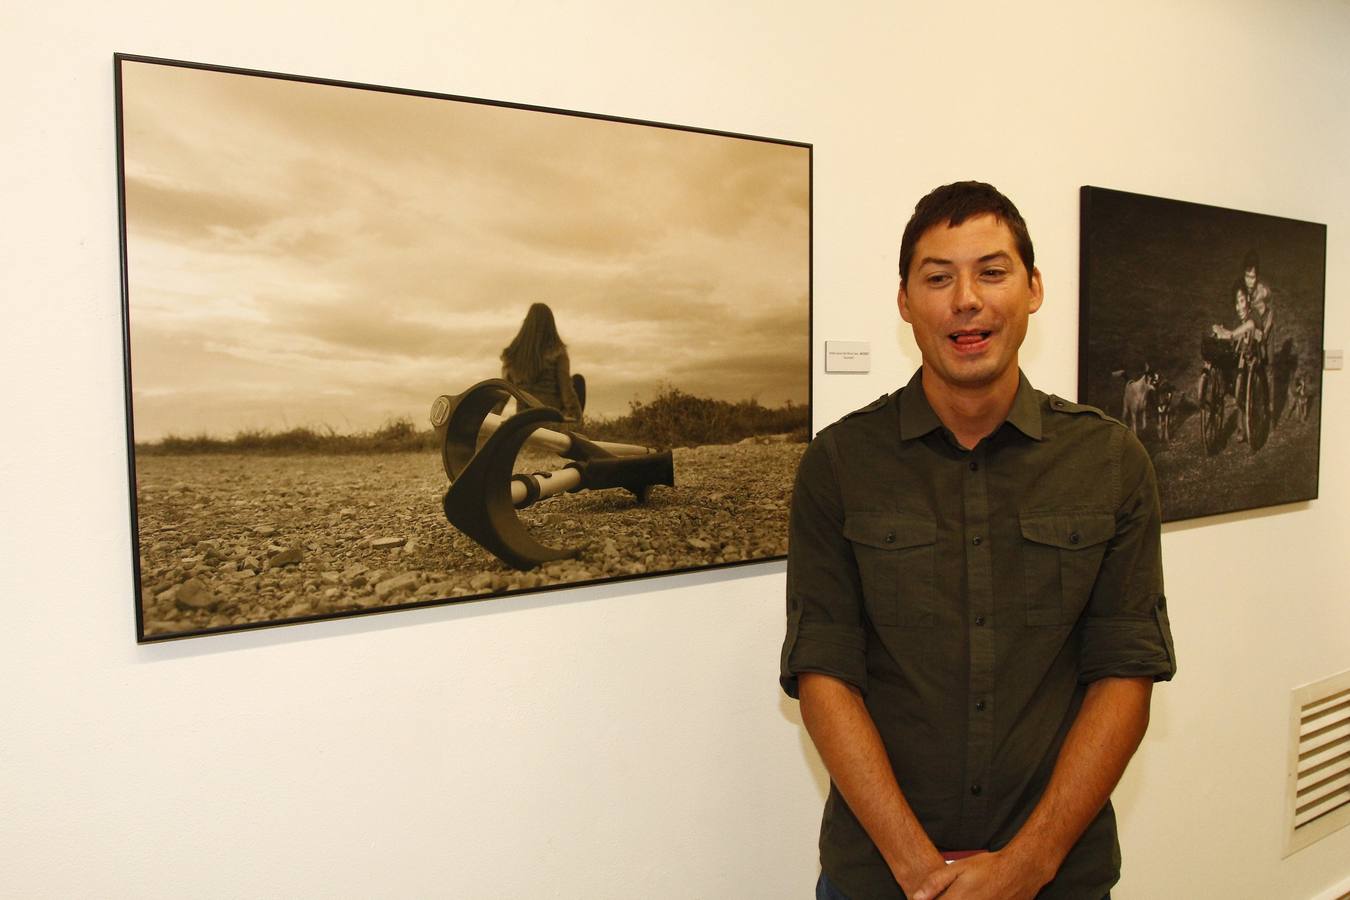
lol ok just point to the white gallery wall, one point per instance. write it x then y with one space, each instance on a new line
630 740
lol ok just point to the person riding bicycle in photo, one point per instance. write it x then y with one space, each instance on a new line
1263 314
1248 344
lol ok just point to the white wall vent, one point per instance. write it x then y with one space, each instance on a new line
1318 793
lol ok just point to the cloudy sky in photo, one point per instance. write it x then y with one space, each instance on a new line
305 254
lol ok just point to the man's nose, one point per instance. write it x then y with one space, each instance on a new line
966 297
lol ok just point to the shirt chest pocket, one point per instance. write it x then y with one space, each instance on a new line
896 564
1061 554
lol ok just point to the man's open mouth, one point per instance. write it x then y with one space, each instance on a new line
965 338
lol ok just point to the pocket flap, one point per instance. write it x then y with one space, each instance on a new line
889 531
1068 531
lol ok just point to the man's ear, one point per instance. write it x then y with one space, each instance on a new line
902 301
1037 290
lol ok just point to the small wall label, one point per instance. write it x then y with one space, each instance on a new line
848 356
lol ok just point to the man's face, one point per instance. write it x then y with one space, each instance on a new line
967 297
1243 308
1249 278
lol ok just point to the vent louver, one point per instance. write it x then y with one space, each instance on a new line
1319 764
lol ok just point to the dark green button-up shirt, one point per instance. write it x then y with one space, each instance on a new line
971 595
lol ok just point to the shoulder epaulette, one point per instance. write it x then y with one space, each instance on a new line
1059 404
871 407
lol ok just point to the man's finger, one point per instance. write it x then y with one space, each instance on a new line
935 884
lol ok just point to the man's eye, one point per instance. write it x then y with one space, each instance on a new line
995 273
937 279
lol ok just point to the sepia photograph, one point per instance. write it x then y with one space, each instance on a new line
1201 329
390 348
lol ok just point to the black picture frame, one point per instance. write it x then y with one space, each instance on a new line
1162 345
308 264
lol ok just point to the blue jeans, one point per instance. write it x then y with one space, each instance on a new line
825 890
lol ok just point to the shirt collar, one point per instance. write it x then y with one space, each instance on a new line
1025 414
917 417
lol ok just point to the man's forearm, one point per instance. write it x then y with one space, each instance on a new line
1109 726
851 748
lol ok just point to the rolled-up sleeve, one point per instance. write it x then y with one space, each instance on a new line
824 595
1126 633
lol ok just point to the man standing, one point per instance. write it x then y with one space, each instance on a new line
975 603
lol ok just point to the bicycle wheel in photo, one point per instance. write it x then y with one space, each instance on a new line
1258 410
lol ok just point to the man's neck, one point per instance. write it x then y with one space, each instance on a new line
971 414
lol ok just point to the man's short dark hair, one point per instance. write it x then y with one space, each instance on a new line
1251 261
951 205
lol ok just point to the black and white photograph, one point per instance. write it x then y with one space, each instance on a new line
1201 329
388 348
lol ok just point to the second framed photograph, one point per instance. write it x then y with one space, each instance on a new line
1201 328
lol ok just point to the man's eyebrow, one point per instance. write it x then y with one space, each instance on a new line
988 257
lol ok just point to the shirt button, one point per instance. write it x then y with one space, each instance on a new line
979 706
974 466
976 790
1074 538
890 537
979 620
976 540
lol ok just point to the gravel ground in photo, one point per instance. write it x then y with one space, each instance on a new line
234 540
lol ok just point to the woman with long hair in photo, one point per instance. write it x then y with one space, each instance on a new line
536 362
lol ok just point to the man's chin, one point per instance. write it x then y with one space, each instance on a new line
969 374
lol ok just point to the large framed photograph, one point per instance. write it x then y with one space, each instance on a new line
388 348
1201 328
